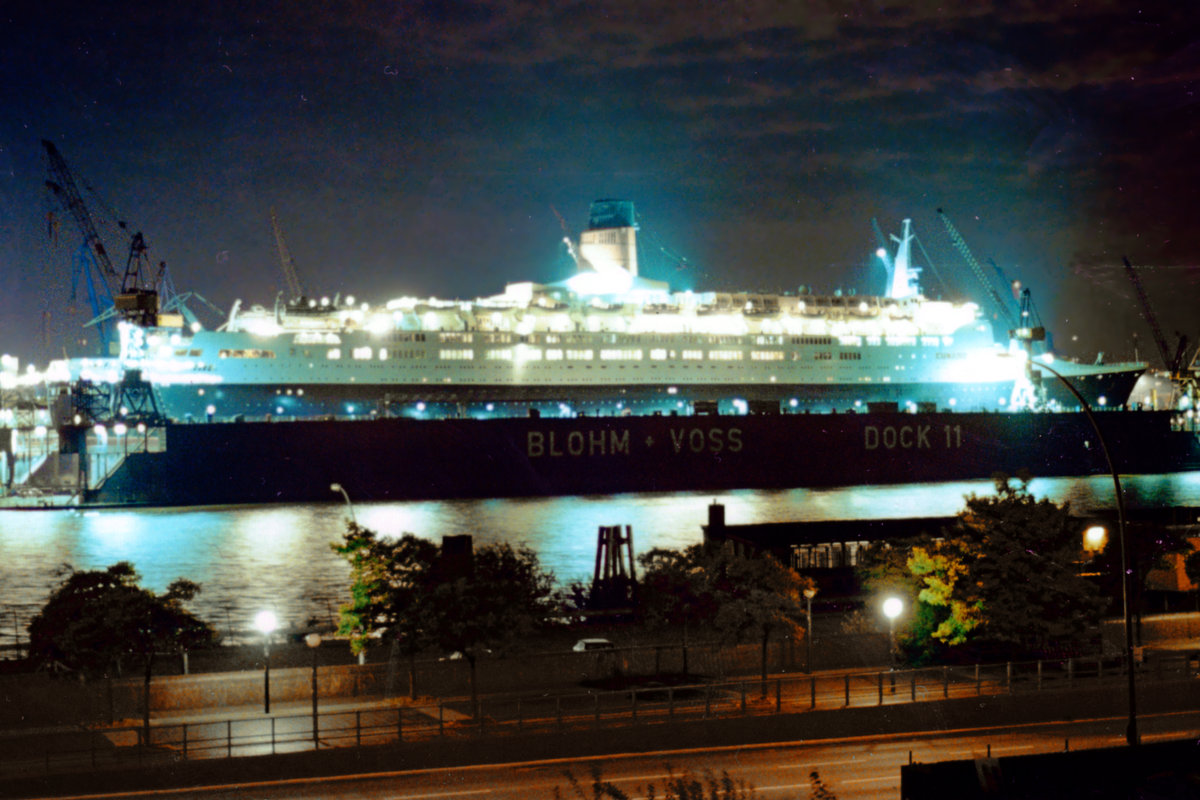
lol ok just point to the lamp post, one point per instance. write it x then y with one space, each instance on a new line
891 609
265 622
809 594
313 640
337 487
1131 734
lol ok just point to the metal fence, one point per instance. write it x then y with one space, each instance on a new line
647 704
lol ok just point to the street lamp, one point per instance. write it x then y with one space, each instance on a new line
809 594
891 609
265 621
313 640
337 487
1131 735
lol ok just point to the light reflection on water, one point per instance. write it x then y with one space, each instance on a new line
250 557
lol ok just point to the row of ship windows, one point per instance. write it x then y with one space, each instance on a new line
554 354
506 354
473 337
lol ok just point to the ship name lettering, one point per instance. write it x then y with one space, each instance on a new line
716 440
905 437
576 443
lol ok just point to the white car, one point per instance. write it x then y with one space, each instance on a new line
583 645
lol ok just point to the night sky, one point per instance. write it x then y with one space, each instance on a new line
423 148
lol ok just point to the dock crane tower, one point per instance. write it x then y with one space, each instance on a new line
136 299
1181 376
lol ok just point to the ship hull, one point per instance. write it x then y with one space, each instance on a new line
364 400
404 459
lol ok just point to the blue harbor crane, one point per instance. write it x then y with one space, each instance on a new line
135 301
135 298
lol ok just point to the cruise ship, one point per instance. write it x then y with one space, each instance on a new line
604 342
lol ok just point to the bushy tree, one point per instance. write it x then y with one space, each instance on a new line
408 591
1005 575
503 593
673 592
387 578
745 598
96 621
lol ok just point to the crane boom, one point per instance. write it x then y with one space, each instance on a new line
960 244
1148 315
132 301
294 287
65 189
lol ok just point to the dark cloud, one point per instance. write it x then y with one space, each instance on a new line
419 147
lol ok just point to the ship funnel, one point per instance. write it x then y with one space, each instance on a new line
609 244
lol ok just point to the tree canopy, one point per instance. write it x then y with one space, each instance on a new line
424 597
95 620
386 581
744 598
1005 575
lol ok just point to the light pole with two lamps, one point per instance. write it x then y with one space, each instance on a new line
265 621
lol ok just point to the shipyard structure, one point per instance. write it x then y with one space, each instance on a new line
604 382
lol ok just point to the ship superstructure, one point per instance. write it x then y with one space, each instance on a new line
604 342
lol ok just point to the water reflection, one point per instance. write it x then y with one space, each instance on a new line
248 558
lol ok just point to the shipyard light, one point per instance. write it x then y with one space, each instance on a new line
119 429
1094 538
421 407
101 433
793 402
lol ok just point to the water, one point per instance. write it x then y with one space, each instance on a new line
248 558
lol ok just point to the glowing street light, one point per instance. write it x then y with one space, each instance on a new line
265 621
1094 538
337 487
892 608
809 594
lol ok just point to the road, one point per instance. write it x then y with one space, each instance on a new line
865 768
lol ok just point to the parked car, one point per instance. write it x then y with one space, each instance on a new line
583 645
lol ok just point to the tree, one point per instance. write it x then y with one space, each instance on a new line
386 582
500 594
1005 575
412 592
1023 569
95 619
672 592
745 598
